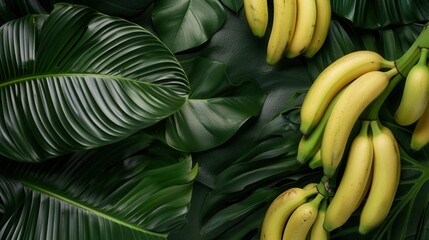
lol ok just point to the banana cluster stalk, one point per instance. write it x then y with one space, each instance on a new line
335 101
298 28
372 171
294 214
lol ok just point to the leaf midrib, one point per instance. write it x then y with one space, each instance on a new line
87 208
32 77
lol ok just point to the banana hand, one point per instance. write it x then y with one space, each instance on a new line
386 173
299 224
355 99
353 182
280 210
310 144
332 79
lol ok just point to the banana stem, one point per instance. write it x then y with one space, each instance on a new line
324 187
423 56
411 56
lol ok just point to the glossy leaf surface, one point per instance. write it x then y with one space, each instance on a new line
78 79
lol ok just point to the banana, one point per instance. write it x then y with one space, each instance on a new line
280 210
284 19
332 79
356 97
415 95
321 29
299 224
317 231
385 180
310 144
316 160
353 181
420 136
257 16
304 28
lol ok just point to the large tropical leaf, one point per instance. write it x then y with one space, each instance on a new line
215 110
373 14
185 24
134 189
78 79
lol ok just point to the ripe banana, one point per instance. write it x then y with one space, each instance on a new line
332 79
356 97
316 160
420 136
317 231
304 28
257 16
299 224
310 144
353 181
280 210
284 19
323 20
385 180
415 95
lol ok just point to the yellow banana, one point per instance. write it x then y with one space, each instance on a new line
420 136
304 28
280 210
299 224
356 97
257 16
316 160
332 79
310 186
385 180
353 181
317 231
323 20
284 19
310 143
415 95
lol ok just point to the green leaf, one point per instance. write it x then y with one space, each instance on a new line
78 79
120 8
134 189
374 14
185 24
12 9
215 111
245 187
234 5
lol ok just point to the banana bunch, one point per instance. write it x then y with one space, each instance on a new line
334 102
297 213
372 171
299 27
413 106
